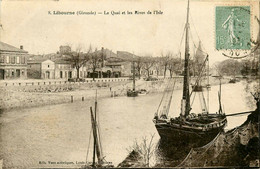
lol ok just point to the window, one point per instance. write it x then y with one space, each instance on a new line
13 59
7 73
7 59
22 59
2 60
48 65
18 59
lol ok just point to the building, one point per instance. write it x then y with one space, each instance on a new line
65 50
120 67
41 68
63 69
13 62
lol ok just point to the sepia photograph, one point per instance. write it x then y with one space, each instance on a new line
129 84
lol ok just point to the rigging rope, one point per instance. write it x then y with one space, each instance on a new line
196 46
201 106
200 74
162 100
182 38
198 37
193 99
165 101
204 101
169 104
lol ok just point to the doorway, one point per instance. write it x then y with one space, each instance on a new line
18 73
2 74
70 74
61 74
47 74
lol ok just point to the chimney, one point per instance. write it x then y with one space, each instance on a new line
21 47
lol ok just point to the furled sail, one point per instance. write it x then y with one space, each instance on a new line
198 59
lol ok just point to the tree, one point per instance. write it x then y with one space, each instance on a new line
229 67
145 150
165 60
139 66
174 65
148 64
246 67
157 65
78 59
171 66
95 61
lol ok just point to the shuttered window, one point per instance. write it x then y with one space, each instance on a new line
22 59
13 59
2 59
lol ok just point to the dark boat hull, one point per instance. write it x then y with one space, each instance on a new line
197 88
182 136
132 93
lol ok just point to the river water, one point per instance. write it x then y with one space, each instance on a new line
60 133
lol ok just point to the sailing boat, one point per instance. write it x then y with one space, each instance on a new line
189 128
133 92
97 148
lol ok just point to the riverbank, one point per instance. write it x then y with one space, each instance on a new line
14 97
61 133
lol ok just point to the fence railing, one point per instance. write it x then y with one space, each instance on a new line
60 82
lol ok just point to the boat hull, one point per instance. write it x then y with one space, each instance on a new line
197 88
132 93
183 136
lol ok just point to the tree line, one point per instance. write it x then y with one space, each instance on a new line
78 59
231 67
96 59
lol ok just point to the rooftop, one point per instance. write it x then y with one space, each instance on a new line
61 61
8 48
37 60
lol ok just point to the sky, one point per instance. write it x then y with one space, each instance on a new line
29 23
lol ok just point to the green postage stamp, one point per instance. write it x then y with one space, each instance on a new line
232 26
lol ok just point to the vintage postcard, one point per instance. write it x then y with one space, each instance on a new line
129 83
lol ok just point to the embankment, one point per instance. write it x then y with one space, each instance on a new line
20 96
39 94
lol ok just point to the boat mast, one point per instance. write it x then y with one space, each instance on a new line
133 76
96 148
185 107
96 141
